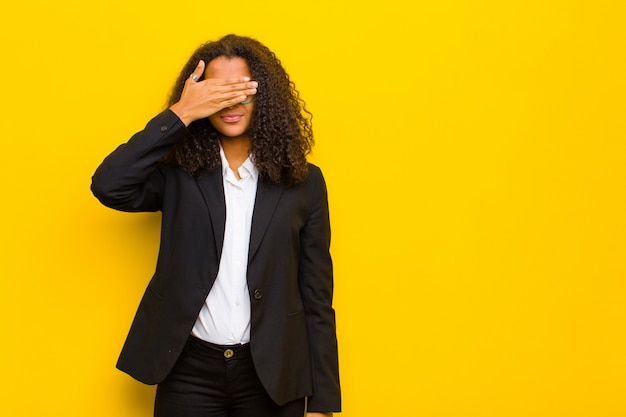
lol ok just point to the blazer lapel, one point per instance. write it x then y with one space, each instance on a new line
267 197
212 187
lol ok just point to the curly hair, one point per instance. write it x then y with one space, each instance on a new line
280 127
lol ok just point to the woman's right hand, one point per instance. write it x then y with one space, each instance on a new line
204 98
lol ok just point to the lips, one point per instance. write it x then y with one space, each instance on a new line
231 118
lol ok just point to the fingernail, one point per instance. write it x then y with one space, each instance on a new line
246 78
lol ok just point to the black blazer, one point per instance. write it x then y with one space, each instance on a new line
293 338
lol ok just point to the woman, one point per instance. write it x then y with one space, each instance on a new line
237 319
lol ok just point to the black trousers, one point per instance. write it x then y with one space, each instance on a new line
217 381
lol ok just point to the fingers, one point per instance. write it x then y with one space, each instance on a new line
234 98
197 73
228 90
231 84
241 96
246 88
224 88
233 102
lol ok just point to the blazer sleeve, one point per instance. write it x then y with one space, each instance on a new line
130 178
316 284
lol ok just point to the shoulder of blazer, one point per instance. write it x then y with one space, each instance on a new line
314 170
314 176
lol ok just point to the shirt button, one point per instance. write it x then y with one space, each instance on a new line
228 353
163 128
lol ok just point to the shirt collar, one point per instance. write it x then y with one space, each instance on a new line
247 168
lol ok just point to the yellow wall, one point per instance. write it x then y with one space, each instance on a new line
476 163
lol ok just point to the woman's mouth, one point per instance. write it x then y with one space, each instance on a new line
231 118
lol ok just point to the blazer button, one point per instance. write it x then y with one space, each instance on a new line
163 128
258 294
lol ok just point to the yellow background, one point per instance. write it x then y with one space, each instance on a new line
475 158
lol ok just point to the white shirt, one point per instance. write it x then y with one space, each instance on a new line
225 316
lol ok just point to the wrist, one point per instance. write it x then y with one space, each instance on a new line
182 113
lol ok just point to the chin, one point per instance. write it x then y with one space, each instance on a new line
230 133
